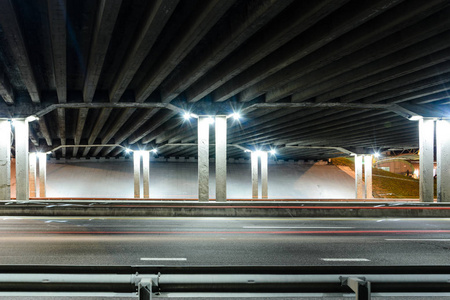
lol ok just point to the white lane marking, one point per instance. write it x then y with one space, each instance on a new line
345 259
438 240
164 258
293 227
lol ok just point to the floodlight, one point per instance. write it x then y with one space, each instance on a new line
187 116
154 151
31 118
376 154
273 152
415 118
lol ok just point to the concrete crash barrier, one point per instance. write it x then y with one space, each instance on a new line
227 209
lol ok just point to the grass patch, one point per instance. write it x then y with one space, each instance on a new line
386 184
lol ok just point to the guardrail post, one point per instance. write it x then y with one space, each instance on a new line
360 286
145 289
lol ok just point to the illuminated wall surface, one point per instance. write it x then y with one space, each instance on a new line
179 180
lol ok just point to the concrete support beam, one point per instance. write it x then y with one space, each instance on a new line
254 162
264 175
426 160
368 175
221 158
21 137
32 173
137 174
42 174
443 160
5 159
146 172
203 158
359 184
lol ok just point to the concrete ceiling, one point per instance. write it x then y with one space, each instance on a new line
311 76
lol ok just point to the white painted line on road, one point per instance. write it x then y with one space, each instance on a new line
437 240
345 259
164 258
294 227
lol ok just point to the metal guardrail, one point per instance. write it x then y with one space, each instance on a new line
152 282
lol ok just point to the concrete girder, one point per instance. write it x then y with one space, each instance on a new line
197 27
412 91
425 99
44 131
6 91
242 26
105 22
390 35
262 44
399 63
62 128
16 41
306 43
157 16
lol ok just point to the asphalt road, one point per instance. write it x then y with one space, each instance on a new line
224 241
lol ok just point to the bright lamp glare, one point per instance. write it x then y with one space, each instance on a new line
155 151
32 118
273 152
127 150
258 152
376 154
236 116
187 116
416 118
211 120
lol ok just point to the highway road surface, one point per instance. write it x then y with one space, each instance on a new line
223 241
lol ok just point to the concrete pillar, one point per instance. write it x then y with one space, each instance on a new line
5 159
221 158
443 160
42 174
21 139
426 161
32 173
137 173
254 162
368 175
264 175
203 158
359 184
146 172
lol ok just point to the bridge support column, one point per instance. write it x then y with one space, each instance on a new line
443 160
146 173
221 158
32 174
42 174
203 158
368 175
359 184
5 159
21 138
254 163
137 173
264 175
426 165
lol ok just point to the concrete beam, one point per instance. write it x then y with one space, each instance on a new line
203 158
16 42
254 166
6 91
5 159
44 130
245 22
368 176
426 159
289 25
221 158
42 174
21 137
443 160
359 184
303 45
